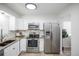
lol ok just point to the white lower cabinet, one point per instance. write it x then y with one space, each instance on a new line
41 45
12 50
23 45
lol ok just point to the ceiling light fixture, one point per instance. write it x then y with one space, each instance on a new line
30 6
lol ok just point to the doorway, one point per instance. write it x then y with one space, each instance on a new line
66 38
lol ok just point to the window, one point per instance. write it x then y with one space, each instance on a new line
67 26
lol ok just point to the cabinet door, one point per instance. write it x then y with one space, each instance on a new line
12 23
12 50
22 45
41 26
19 24
8 51
41 45
16 48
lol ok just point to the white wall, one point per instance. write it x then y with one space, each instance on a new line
75 29
72 13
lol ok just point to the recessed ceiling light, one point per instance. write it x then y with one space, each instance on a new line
30 6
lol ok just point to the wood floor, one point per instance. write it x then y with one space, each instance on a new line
66 52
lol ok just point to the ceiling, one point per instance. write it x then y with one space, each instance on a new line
42 8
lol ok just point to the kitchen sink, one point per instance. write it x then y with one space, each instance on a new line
6 42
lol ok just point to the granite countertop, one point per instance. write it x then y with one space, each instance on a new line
16 39
3 47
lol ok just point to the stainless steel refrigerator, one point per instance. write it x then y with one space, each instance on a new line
51 38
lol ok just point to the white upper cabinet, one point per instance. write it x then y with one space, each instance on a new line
20 24
12 23
41 26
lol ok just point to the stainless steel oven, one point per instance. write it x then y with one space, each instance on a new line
32 43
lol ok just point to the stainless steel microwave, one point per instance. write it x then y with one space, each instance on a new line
33 26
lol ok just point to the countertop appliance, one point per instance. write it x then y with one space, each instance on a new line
19 34
51 38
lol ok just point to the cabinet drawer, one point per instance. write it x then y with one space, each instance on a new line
12 50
